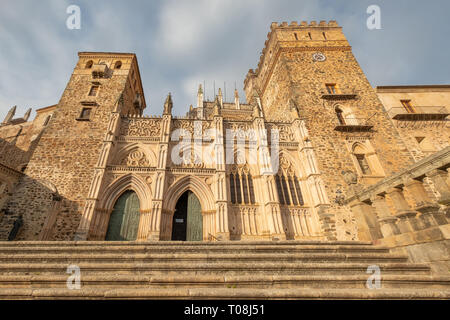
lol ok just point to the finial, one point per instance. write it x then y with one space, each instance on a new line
168 104
10 115
27 114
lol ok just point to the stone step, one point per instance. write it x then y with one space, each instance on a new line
222 293
207 281
178 244
228 268
74 258
194 249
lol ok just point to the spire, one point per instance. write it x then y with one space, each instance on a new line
220 98
200 100
168 104
27 114
236 99
10 115
216 107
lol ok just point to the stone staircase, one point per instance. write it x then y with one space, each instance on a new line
212 270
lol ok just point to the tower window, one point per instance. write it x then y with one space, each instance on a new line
118 65
309 35
89 64
295 35
94 90
85 114
408 106
331 88
324 35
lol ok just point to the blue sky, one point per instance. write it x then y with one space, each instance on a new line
181 43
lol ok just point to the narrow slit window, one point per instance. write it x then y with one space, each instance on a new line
245 189
238 189
292 189
285 191
251 190
295 35
280 192
299 192
232 189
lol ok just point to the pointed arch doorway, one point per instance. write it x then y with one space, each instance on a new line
124 220
187 223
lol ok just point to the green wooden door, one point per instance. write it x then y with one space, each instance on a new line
124 220
194 230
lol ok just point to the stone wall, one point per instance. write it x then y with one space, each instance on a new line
428 130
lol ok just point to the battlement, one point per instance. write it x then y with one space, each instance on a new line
297 34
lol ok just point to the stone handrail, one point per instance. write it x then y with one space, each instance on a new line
378 218
439 160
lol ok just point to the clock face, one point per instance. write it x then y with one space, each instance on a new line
319 56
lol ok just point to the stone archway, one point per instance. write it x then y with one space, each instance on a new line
187 221
110 196
124 220
205 197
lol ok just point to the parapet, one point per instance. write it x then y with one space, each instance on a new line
303 31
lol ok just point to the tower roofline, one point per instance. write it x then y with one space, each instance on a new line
282 43
118 55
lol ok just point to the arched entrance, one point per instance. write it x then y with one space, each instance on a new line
124 220
187 224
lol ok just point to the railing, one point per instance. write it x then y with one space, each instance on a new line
419 113
376 219
354 124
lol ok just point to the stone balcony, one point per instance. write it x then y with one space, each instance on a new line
421 113
421 228
354 125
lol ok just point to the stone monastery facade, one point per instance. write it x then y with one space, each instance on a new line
313 131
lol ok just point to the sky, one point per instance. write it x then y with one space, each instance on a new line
183 43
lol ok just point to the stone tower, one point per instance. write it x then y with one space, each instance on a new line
74 147
311 68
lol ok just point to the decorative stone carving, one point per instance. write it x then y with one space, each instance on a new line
141 127
285 133
136 158
350 177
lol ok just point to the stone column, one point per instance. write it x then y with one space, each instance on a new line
430 215
406 217
439 179
388 226
366 220
222 230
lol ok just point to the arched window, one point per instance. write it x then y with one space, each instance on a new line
340 116
118 65
89 64
241 186
288 186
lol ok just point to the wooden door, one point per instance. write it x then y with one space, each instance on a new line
124 220
194 219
